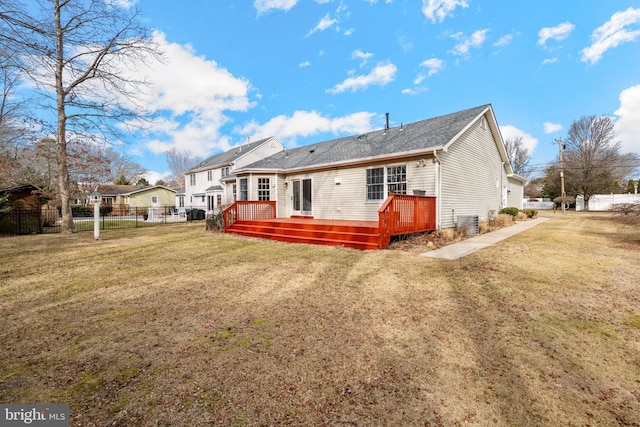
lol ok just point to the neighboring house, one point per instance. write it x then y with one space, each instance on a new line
25 215
211 184
458 158
137 197
23 197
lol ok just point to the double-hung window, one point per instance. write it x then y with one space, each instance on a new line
244 189
375 184
192 179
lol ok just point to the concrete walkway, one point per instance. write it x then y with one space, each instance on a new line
469 246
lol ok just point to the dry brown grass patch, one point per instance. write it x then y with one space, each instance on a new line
177 326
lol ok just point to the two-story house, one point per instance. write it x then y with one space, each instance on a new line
206 184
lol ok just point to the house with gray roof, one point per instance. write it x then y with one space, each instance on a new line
459 158
206 183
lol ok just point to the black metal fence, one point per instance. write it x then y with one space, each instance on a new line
49 220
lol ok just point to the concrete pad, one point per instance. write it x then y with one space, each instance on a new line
469 246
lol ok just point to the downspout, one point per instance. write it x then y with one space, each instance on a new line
437 171
502 192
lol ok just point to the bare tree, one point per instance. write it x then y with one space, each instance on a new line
14 132
179 162
77 53
593 162
518 156
122 165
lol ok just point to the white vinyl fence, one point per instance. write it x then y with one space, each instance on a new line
537 204
605 202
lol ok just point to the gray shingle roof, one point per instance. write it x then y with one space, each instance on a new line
227 157
407 138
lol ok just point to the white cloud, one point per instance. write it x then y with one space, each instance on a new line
307 123
414 91
434 65
404 42
552 127
304 64
192 95
549 61
504 40
476 40
358 54
125 4
154 177
437 10
509 132
264 6
559 32
324 23
628 120
611 34
381 75
363 56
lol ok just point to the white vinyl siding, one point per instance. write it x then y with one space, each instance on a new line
472 176
198 182
342 193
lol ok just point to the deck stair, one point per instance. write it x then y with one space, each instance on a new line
352 234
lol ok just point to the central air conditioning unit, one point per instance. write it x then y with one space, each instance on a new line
470 222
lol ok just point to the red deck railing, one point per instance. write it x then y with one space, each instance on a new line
246 210
399 214
405 214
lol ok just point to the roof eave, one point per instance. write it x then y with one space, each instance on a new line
345 163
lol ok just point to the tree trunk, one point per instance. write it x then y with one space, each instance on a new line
63 169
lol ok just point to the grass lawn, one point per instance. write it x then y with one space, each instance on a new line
178 326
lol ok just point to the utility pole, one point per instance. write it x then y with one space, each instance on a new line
561 148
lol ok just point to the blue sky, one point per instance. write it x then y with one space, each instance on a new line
311 70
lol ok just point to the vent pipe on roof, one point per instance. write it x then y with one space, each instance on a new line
387 125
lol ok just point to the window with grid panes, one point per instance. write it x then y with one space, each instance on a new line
375 184
244 189
397 179
264 189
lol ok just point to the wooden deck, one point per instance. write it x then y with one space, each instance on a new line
352 234
399 214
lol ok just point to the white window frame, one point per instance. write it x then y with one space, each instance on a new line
264 188
369 185
389 180
394 179
243 193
